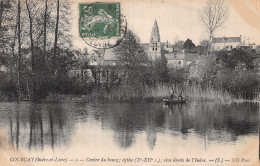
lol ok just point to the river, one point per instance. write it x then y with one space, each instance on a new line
86 132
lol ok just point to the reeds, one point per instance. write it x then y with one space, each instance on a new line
147 94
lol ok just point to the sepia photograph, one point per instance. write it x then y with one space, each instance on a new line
129 82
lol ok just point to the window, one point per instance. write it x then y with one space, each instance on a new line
179 62
156 49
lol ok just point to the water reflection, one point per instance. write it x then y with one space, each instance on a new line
155 119
48 125
36 125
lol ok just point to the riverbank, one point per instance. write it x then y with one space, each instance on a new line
145 94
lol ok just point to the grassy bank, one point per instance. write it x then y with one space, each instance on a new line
146 94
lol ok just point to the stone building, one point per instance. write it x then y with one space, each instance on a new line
228 43
155 43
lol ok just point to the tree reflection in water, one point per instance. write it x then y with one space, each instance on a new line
47 125
36 126
39 125
155 119
214 122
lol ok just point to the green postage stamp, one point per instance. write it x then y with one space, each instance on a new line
99 20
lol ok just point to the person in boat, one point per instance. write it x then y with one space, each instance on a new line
180 97
172 95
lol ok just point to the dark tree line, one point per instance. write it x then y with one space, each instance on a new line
33 40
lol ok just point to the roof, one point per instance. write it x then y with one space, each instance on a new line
155 36
172 56
145 47
191 56
110 54
226 39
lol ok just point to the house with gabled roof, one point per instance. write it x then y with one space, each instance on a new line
175 60
181 60
227 43
110 58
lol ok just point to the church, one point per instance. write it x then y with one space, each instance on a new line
153 48
155 43
174 59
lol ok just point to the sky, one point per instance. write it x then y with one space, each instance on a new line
180 20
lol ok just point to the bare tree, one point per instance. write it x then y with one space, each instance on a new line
213 16
19 49
1 12
45 29
32 49
56 33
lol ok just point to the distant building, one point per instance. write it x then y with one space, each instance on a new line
84 75
110 58
155 43
154 48
190 57
167 47
180 60
227 43
175 60
96 57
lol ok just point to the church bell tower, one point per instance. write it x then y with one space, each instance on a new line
155 43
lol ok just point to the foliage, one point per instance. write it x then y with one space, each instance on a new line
188 44
237 57
203 69
178 76
132 58
178 46
243 84
203 47
160 70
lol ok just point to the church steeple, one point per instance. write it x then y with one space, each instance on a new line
155 36
155 44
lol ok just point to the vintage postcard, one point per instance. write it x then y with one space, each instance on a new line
129 82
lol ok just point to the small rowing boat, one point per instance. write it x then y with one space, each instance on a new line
174 101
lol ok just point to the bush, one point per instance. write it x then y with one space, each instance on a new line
243 84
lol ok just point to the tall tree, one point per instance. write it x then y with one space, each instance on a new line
131 55
56 34
32 50
213 16
45 29
6 26
19 50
